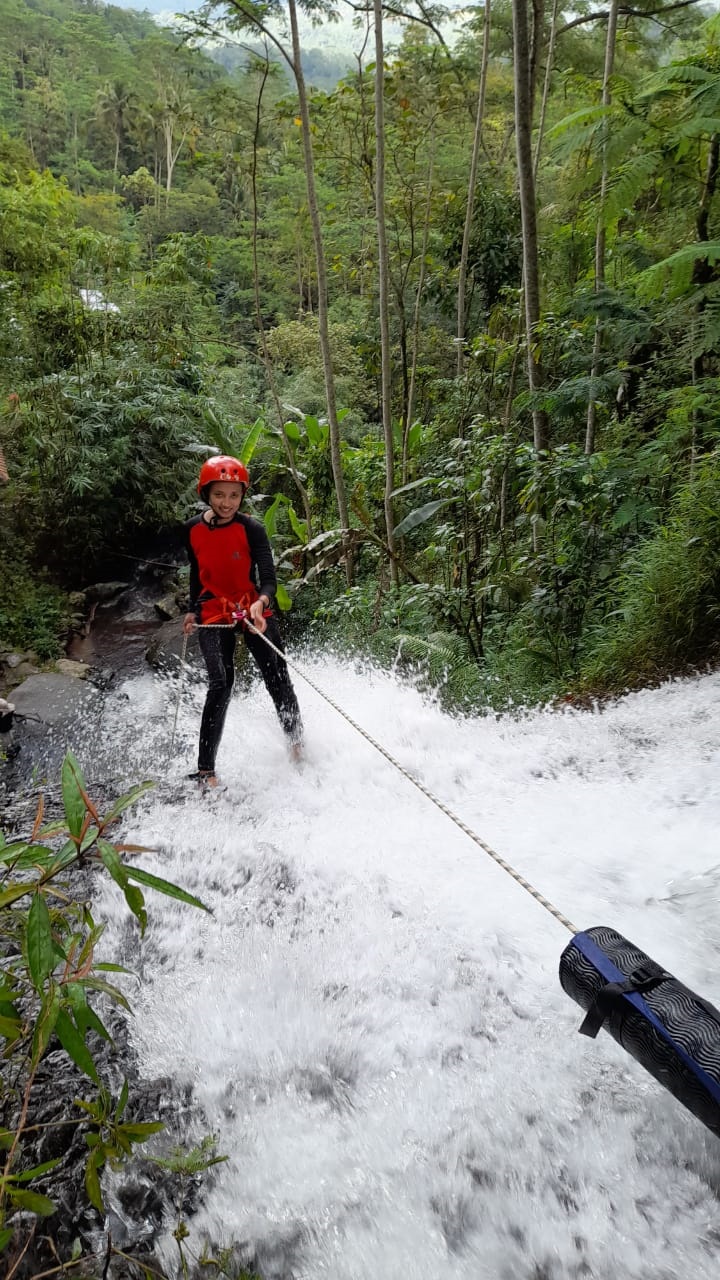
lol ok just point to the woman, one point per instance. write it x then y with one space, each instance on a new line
232 588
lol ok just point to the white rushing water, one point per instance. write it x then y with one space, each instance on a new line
371 1020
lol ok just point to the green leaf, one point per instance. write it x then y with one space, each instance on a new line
284 601
71 782
38 936
64 857
125 801
9 852
141 1132
36 855
136 903
292 431
6 1236
420 515
299 527
10 1028
165 886
52 829
32 1201
122 1100
14 892
89 838
113 862
74 1045
414 437
270 517
414 484
37 1170
314 430
250 442
45 1024
97 984
92 1180
85 1016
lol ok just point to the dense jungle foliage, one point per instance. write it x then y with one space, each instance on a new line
466 328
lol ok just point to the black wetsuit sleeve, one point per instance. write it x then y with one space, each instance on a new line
262 561
194 586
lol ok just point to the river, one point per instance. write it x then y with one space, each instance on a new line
371 1019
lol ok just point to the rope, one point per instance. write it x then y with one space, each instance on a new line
183 653
439 804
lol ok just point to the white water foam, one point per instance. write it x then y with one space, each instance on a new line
371 1019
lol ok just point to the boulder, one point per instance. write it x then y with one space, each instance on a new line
69 667
167 608
13 660
103 591
21 672
54 699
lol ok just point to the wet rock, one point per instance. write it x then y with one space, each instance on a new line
21 672
13 660
102 591
68 667
102 678
164 650
54 699
167 608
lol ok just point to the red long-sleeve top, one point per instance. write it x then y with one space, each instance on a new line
228 562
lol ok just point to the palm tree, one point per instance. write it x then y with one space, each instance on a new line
116 106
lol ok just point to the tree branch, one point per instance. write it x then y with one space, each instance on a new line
627 12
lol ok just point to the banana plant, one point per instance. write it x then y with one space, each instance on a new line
238 441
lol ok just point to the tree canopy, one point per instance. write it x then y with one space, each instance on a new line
470 294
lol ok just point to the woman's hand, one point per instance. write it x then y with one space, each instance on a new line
256 611
189 623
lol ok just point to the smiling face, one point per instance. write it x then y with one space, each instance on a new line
224 498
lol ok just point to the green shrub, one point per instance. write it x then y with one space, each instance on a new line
668 596
33 613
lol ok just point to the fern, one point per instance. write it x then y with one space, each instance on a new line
673 275
667 79
627 185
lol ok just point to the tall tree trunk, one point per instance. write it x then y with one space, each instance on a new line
526 183
417 310
472 181
322 302
550 58
536 40
267 360
600 228
383 285
169 162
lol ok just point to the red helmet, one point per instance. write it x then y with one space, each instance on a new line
222 468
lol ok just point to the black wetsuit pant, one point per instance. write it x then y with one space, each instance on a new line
217 646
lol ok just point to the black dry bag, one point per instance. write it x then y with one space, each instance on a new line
667 1028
